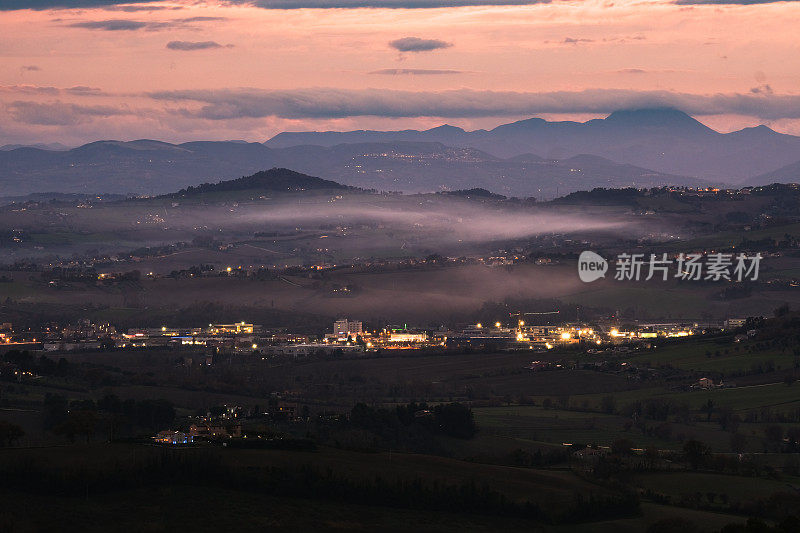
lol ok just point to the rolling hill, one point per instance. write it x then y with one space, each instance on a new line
148 167
274 179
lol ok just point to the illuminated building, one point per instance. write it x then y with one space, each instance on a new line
344 328
239 328
173 437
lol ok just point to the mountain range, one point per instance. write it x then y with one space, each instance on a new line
532 157
665 140
150 167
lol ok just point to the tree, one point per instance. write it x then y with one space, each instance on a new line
781 311
728 420
10 433
78 423
608 404
794 435
55 410
663 431
774 434
563 401
738 442
622 447
672 525
708 408
696 453
455 420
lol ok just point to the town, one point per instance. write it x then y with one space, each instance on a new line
350 337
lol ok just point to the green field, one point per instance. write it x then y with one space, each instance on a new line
719 355
174 504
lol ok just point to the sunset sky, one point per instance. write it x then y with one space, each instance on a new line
179 71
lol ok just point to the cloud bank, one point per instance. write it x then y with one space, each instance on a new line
193 45
133 5
148 5
415 71
415 44
319 103
77 90
59 113
119 25
729 2
133 25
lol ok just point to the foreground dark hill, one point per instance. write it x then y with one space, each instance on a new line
152 168
272 180
666 140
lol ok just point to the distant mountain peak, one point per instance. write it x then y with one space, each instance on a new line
445 128
525 124
654 116
757 131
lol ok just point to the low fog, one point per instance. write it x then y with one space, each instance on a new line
463 221
299 225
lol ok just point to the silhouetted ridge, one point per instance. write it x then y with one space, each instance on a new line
656 117
477 192
274 179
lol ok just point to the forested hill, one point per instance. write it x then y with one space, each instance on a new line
274 179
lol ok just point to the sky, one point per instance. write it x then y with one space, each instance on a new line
75 71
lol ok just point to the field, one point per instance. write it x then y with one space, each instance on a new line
175 504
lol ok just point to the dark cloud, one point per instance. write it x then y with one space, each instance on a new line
10 5
194 45
82 90
78 90
762 89
415 71
137 8
136 5
228 104
648 71
415 44
30 89
389 4
7 5
573 40
729 2
119 25
59 113
200 19
29 68
132 25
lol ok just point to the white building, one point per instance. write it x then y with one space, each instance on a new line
347 328
408 336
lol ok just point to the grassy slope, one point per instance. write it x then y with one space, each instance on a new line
208 508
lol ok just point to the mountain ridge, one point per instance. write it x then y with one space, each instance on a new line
663 139
151 168
275 180
530 157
